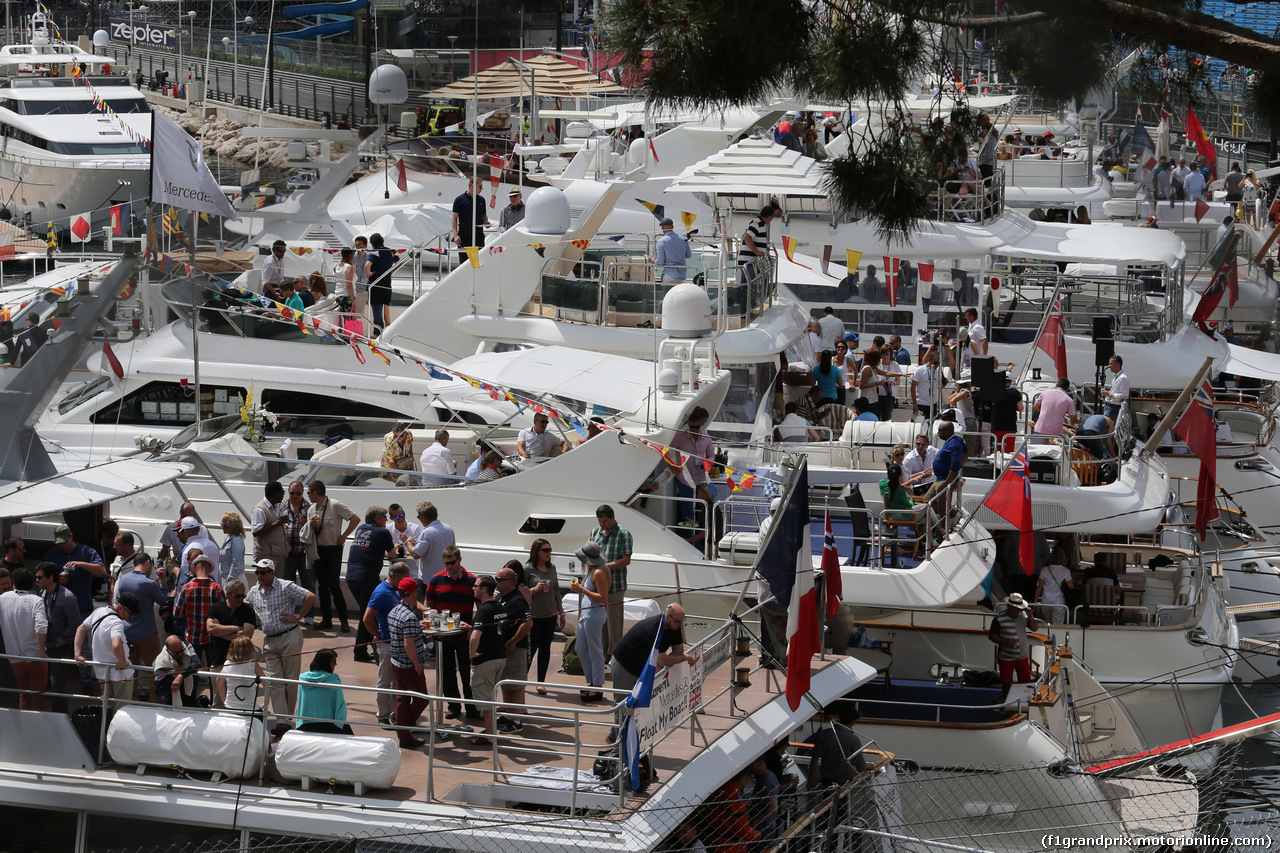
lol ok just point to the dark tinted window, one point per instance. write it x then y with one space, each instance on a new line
37 830
109 834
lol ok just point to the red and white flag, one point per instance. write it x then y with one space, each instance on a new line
1053 338
402 176
891 279
117 220
1198 430
802 634
926 273
7 248
1010 498
831 569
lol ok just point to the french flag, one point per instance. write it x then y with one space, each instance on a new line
641 696
802 635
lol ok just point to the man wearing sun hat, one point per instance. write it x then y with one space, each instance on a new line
513 213
1009 633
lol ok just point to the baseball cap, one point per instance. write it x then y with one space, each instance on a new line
61 534
265 563
407 585
666 223
774 504
189 523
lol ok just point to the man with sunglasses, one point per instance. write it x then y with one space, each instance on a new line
227 620
632 652
280 606
453 590
536 444
402 530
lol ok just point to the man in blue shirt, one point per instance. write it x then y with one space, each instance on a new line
947 466
863 407
467 216
673 251
140 630
80 563
385 597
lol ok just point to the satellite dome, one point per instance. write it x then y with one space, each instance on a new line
547 212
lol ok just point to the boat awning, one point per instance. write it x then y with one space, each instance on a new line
619 383
1259 364
1098 244
87 487
753 167
1056 197
546 76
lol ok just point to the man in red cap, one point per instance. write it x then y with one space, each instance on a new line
408 656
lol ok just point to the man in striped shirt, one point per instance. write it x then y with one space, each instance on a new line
280 606
408 660
1009 633
754 246
453 591
616 545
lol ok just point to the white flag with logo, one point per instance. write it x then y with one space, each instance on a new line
179 176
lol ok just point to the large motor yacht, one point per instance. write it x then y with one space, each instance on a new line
72 134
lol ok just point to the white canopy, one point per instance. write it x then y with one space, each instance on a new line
753 167
87 487
614 381
1259 364
1101 243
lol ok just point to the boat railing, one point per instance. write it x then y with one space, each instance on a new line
1032 170
1123 298
960 200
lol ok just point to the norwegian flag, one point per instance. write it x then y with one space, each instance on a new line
1053 338
831 569
891 279
1010 498
1198 430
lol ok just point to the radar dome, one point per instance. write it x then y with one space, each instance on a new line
547 212
686 311
387 85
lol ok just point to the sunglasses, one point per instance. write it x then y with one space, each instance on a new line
264 571
545 550
544 423
235 595
398 517
451 562
298 494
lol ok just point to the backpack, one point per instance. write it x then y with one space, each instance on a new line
570 663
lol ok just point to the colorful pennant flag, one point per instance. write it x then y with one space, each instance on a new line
852 259
688 219
891 279
402 176
473 255
659 211
539 248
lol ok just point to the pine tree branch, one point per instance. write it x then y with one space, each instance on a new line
1193 31
986 21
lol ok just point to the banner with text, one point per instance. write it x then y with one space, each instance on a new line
142 33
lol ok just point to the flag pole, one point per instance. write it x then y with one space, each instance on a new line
1175 410
195 310
1035 342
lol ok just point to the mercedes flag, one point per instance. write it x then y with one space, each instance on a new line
179 176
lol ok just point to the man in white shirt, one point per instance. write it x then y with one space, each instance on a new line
925 386
917 467
189 533
977 334
793 427
1118 393
428 548
109 647
437 463
537 444
273 271
403 529
24 625
1223 230
831 328
1193 185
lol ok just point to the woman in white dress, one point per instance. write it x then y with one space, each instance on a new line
1049 589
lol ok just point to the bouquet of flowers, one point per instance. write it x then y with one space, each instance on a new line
257 418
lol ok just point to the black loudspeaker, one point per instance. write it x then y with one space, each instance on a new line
984 375
1103 349
1101 328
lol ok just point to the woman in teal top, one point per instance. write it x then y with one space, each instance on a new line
829 377
897 502
322 709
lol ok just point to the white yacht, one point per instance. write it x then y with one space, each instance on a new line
72 133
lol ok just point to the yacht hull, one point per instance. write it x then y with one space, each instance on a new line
55 190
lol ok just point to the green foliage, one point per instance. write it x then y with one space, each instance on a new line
734 52
1263 97
876 57
1058 59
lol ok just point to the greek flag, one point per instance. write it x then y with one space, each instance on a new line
641 696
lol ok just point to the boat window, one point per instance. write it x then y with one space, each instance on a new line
104 833
542 526
38 830
95 148
748 385
83 391
77 107
326 406
170 404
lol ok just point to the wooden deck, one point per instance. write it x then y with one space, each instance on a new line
435 771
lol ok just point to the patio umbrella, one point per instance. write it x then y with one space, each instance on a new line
548 76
